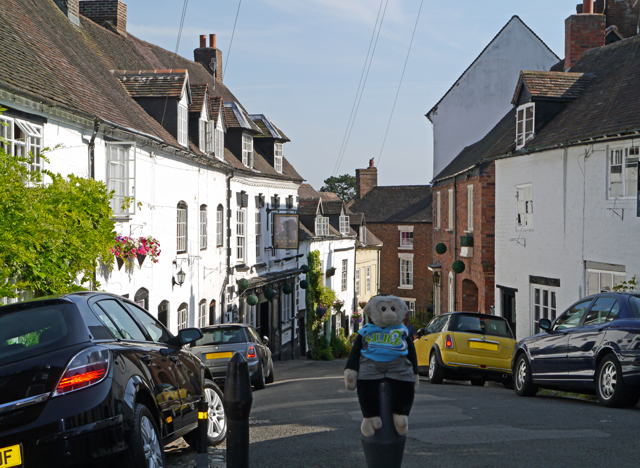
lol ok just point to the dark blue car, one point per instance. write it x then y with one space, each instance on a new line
593 347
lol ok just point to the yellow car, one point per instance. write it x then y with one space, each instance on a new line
466 346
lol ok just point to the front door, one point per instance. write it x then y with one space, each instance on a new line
509 307
264 329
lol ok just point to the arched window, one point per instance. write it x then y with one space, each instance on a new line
203 227
220 226
202 314
163 313
182 316
212 313
142 298
182 227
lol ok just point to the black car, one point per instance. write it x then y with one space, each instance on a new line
88 377
220 342
593 347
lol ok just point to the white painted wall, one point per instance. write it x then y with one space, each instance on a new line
482 95
574 223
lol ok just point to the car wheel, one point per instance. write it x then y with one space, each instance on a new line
216 418
478 382
435 370
259 382
522 380
271 377
145 444
610 387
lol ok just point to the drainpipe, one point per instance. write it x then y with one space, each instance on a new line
92 175
223 305
455 240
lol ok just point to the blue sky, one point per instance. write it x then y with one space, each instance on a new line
300 62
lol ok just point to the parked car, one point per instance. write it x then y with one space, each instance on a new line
593 347
86 378
220 342
466 346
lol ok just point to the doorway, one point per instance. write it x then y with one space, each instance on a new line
508 300
264 329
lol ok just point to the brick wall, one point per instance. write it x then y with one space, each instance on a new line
100 11
582 32
474 287
366 179
389 234
621 13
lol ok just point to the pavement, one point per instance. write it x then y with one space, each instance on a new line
180 455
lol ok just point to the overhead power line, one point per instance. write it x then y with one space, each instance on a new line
184 14
363 80
399 84
231 43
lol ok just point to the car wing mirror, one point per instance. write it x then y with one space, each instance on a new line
421 333
189 335
545 324
265 340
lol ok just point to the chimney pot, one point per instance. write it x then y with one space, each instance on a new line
212 41
203 41
371 162
587 7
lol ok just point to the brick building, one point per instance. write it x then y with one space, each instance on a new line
400 216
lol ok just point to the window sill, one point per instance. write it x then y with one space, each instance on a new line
404 247
524 228
405 287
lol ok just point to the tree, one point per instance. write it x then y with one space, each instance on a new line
344 186
51 234
317 295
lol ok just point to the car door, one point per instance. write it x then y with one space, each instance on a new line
425 342
549 351
261 348
146 358
585 340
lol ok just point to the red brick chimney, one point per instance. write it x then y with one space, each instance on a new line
112 12
210 57
583 31
366 179
621 13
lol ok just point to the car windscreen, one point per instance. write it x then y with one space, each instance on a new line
221 336
482 325
28 330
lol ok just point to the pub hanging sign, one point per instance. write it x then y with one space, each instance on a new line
285 231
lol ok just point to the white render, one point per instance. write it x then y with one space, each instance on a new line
576 226
482 95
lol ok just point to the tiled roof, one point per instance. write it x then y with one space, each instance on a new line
268 129
216 107
153 83
198 93
500 139
609 104
552 85
236 117
369 239
396 204
307 192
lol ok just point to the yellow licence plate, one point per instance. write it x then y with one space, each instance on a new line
214 356
10 456
480 345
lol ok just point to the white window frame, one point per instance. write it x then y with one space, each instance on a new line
181 227
220 226
121 174
525 124
202 314
258 226
30 146
451 208
203 227
406 237
322 226
411 305
344 225
524 206
219 139
438 210
241 235
209 137
247 150
345 267
625 159
202 134
544 305
406 271
183 314
357 282
287 309
451 295
603 280
469 208
367 282
183 124
277 158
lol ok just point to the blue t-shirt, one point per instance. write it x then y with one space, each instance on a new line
384 344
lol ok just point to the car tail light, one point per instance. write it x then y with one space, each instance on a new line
87 368
448 342
251 353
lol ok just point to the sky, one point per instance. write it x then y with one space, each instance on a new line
300 62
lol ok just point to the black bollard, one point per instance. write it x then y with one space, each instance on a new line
385 448
202 457
237 406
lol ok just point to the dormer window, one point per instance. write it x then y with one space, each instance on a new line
322 226
277 159
202 134
344 225
219 144
247 150
524 124
209 136
183 121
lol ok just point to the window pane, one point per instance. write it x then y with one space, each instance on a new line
127 327
571 318
154 328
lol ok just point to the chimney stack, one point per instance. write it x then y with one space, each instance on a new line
583 31
366 179
112 12
210 57
71 8
621 13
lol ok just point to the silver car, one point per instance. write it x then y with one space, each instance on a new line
220 342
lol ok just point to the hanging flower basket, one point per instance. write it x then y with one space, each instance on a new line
356 317
149 246
287 288
331 271
243 284
120 262
320 311
362 304
125 250
252 299
304 284
337 305
141 258
269 293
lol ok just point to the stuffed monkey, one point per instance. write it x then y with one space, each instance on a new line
383 349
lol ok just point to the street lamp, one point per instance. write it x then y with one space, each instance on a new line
180 281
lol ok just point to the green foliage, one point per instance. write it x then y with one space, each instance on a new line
324 349
626 286
344 186
339 345
51 234
316 294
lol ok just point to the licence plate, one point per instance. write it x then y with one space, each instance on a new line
216 356
10 456
480 345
